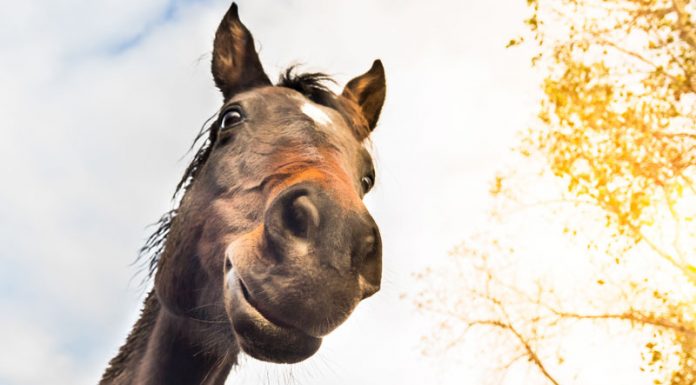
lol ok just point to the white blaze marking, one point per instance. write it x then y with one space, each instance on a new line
316 114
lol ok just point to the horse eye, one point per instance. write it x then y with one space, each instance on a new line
367 182
231 118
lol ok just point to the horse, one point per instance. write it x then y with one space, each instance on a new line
270 247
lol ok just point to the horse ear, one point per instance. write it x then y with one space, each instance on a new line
368 91
236 66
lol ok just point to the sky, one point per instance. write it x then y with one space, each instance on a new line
100 101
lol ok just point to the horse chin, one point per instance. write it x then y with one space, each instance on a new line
262 338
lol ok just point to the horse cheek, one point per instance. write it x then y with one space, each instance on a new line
177 281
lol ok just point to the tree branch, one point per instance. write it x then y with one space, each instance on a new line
632 317
533 356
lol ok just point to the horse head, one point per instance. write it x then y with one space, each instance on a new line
272 224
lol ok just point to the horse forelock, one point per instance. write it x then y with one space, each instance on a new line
314 86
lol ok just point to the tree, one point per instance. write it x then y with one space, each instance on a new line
617 128
619 113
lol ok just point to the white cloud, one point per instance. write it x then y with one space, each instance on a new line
26 348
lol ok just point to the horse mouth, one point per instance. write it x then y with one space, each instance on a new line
262 336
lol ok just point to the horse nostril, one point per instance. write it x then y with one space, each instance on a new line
368 248
370 242
369 262
292 217
301 215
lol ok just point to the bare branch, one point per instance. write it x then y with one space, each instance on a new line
631 317
531 353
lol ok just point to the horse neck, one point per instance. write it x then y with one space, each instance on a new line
159 350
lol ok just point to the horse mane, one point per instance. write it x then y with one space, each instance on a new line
313 85
135 343
149 255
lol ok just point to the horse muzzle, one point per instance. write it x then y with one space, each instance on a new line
301 274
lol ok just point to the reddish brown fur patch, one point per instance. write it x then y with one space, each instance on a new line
330 176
